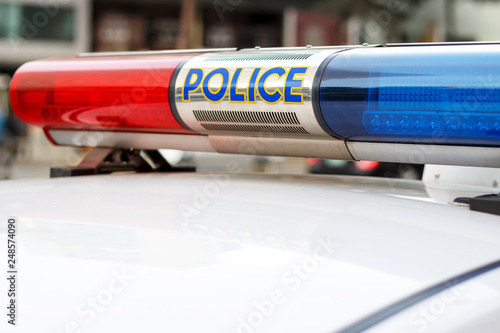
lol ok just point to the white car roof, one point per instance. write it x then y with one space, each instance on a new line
242 253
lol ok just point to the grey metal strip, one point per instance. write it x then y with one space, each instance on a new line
134 53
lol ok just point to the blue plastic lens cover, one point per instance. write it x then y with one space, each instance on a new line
414 94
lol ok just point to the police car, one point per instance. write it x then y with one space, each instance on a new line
160 248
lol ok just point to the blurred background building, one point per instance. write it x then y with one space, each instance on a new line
33 29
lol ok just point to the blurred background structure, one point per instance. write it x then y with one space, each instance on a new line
33 29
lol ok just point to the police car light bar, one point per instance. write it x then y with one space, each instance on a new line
422 103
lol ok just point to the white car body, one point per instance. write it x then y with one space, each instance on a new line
180 252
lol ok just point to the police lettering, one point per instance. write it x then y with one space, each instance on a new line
271 86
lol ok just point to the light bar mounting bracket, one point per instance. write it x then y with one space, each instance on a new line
107 160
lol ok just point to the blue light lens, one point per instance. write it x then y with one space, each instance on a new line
414 94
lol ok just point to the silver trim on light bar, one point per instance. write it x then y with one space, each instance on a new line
309 47
132 53
441 43
336 149
425 154
135 140
274 146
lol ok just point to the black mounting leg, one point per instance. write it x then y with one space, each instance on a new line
105 160
488 203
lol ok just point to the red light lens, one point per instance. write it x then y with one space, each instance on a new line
122 93
366 165
312 161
